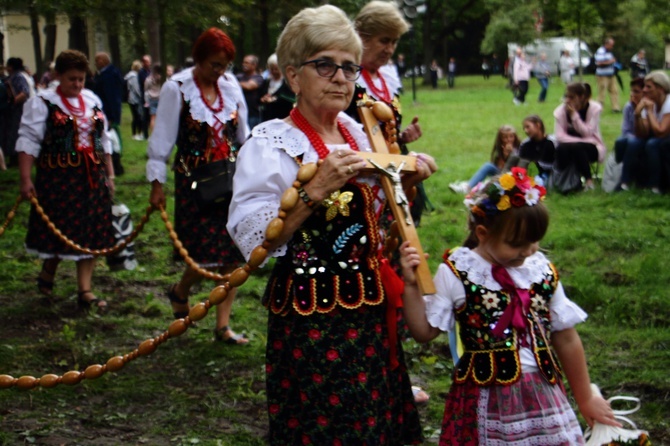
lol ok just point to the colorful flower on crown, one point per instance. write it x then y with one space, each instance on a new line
512 189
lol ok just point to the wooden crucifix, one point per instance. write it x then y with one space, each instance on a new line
390 163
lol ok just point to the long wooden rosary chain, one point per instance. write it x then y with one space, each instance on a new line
77 247
178 327
10 215
219 294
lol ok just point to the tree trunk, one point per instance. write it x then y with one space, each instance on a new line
139 47
50 42
428 47
78 35
37 41
153 31
113 37
265 49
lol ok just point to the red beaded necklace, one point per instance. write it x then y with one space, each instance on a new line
219 96
315 139
78 111
383 94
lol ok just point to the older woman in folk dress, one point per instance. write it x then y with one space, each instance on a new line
331 375
63 133
204 115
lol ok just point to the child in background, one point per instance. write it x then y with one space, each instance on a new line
538 147
512 313
505 148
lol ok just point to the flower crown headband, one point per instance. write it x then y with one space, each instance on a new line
512 189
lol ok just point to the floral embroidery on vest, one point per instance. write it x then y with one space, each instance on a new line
488 360
331 262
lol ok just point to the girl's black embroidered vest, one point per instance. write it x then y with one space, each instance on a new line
61 138
489 360
194 140
332 260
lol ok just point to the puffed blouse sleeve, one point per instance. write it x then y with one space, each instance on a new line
564 312
450 295
33 127
262 173
164 135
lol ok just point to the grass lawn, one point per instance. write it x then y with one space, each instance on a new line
611 251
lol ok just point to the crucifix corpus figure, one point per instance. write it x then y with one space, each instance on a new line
399 196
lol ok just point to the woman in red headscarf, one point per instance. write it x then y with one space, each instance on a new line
203 113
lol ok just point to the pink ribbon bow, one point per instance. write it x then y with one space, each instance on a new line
518 306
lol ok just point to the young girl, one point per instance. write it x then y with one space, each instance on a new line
511 308
503 156
538 147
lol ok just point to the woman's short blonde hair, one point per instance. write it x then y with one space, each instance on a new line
316 29
380 17
659 78
136 65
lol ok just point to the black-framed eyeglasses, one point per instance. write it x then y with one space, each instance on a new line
327 68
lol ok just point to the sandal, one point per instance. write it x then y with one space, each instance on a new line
87 304
45 286
234 339
174 299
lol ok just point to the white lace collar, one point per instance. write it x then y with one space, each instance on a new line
479 272
51 95
295 143
197 107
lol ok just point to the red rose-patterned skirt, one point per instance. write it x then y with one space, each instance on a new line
203 234
77 200
528 412
329 381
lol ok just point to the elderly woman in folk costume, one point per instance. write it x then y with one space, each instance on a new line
205 116
380 25
334 372
62 133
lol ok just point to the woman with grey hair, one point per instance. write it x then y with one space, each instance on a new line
277 98
380 24
335 371
652 125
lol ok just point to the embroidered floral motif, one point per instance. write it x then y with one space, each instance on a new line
490 300
337 202
343 238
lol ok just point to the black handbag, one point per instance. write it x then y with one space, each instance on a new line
212 183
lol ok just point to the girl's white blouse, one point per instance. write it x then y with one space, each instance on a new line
265 169
34 121
166 129
440 307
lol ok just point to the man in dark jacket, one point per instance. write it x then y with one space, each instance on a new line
108 85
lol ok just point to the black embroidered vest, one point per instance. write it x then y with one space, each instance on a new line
332 260
488 360
61 139
194 139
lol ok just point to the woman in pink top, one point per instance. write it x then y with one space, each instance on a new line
577 130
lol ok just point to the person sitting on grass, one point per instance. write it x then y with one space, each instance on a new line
630 158
539 147
503 156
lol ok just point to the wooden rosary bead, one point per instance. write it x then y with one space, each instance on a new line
177 328
72 377
7 381
274 229
94 371
289 199
50 380
149 346
218 295
238 277
382 111
258 256
306 172
115 364
198 312
27 382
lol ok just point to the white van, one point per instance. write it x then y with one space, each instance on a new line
553 47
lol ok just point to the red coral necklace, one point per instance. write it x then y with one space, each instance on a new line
382 94
315 139
75 110
219 96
